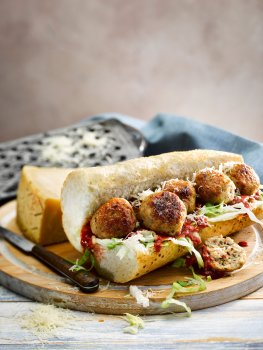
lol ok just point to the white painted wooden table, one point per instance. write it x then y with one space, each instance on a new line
235 325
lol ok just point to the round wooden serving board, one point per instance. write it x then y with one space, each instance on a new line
29 277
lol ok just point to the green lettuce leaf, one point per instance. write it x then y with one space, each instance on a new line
114 242
135 323
180 262
211 210
78 264
188 244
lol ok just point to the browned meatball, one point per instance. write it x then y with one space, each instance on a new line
214 187
115 218
224 254
244 177
184 190
163 212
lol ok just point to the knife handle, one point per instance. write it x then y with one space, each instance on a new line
85 280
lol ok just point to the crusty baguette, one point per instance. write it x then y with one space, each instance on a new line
38 204
86 189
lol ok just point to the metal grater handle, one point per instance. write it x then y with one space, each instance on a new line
138 137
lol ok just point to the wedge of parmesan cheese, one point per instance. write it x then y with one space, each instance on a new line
38 204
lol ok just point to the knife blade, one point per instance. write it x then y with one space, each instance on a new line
85 280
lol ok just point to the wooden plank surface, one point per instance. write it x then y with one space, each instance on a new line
236 324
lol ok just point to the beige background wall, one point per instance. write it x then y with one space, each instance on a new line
61 60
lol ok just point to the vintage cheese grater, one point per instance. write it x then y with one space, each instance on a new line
84 144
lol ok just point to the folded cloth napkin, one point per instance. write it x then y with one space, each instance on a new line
166 133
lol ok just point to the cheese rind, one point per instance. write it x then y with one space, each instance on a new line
38 204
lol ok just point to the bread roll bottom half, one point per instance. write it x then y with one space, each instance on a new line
124 259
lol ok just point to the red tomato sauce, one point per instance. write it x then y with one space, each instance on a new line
246 199
191 229
86 237
208 269
159 241
243 243
87 243
241 199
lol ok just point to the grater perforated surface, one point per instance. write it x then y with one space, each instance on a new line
80 145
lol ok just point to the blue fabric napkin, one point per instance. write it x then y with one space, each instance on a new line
166 133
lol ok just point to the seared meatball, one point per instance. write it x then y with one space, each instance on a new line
115 218
224 255
184 190
244 177
214 187
163 212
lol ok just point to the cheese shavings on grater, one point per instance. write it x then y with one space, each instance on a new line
80 145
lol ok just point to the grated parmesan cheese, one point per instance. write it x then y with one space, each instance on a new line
226 167
138 198
89 139
44 320
59 149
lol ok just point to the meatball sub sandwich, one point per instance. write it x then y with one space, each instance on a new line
139 215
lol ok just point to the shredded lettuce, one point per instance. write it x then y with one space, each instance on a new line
188 244
229 214
110 243
168 301
78 264
130 247
211 210
148 238
135 322
191 285
140 241
249 212
114 242
184 283
223 212
231 211
197 280
180 262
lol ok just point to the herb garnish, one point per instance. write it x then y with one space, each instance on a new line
78 264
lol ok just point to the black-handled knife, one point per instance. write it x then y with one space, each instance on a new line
86 281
